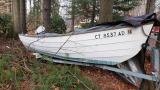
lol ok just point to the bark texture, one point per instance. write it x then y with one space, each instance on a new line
30 5
34 11
16 17
72 16
150 7
42 3
47 13
106 11
93 11
23 16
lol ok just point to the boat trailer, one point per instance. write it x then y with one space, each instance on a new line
154 77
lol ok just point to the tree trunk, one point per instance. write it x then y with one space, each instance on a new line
30 2
23 16
72 16
47 13
9 6
150 7
93 11
38 14
15 19
158 38
42 2
34 12
106 11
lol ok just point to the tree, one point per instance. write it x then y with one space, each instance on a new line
15 27
58 24
9 6
89 9
93 11
84 9
54 7
150 6
106 11
23 15
46 17
149 9
30 4
72 16
42 2
34 12
121 8
158 38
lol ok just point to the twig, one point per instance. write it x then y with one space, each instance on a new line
10 56
106 85
18 64
2 86
23 67
15 78
79 80
35 86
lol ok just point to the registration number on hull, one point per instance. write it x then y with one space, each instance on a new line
110 34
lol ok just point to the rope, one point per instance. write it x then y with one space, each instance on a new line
149 35
155 68
62 45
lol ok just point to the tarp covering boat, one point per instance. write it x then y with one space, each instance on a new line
136 21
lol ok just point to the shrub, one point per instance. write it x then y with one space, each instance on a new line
5 22
58 24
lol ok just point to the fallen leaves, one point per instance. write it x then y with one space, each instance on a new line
105 79
54 87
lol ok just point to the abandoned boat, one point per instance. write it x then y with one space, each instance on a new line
108 43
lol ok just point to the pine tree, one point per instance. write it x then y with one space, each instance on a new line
89 9
122 8
84 9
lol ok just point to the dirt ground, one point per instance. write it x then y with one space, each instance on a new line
106 80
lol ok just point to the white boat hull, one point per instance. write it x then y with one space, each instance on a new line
101 47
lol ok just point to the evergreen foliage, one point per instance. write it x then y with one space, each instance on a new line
54 7
84 9
5 22
123 6
44 76
58 24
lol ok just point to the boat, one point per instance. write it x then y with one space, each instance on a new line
106 43
110 43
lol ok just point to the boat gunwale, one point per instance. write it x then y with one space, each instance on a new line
69 34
